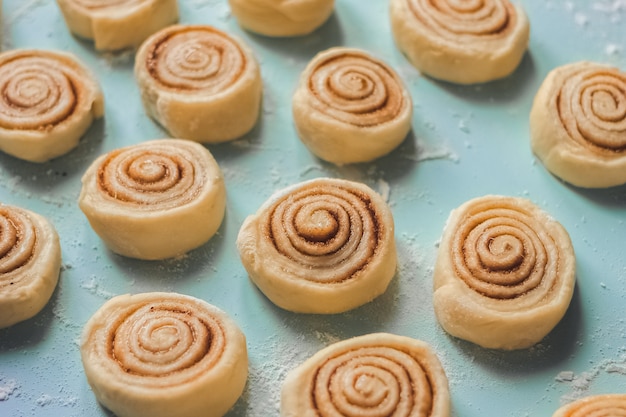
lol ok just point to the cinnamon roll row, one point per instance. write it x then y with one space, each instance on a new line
505 273
607 405
30 261
154 200
321 246
164 354
199 83
351 107
578 124
48 101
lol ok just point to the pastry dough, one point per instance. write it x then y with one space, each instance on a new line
49 100
30 261
504 274
351 107
164 354
281 17
607 405
462 42
578 124
117 24
321 246
154 200
373 375
199 83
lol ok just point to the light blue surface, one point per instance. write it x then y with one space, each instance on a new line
467 141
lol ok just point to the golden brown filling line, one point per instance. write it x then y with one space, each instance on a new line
18 241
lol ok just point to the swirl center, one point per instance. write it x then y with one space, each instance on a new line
318 226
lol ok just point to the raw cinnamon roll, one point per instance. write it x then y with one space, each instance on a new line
608 405
504 274
117 24
462 42
30 261
48 101
373 375
164 354
578 124
321 246
351 107
154 200
199 83
281 17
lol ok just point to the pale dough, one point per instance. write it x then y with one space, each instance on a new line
199 83
162 355
49 101
29 264
460 45
505 273
322 246
119 24
281 17
350 107
607 405
154 200
376 374
578 124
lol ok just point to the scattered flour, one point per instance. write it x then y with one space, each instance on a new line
7 388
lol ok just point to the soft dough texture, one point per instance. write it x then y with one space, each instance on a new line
578 124
351 107
117 24
373 375
162 355
154 200
49 100
459 42
321 246
199 83
505 273
30 261
281 17
608 405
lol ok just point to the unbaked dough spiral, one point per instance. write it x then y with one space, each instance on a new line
30 261
156 199
607 405
164 354
351 107
578 124
461 41
117 24
375 375
321 246
48 101
505 273
199 83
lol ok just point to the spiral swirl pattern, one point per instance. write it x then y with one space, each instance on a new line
609 405
465 21
195 59
156 175
327 227
356 89
18 240
502 251
591 104
36 93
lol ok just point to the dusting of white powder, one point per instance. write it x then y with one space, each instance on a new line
7 388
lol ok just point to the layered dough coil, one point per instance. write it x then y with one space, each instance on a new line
505 273
607 405
578 124
48 101
321 246
281 17
199 83
351 107
375 375
117 24
461 42
164 354
154 200
30 261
